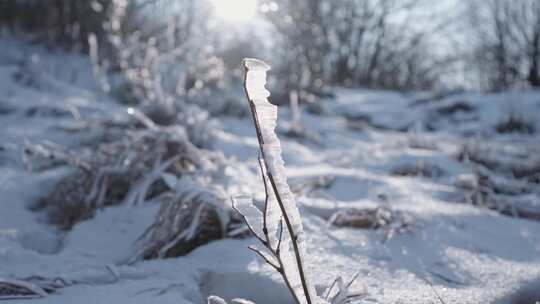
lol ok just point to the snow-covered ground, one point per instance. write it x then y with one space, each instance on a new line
363 150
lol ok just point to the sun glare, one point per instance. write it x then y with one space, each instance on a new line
236 11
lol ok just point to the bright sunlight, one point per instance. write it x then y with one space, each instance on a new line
236 11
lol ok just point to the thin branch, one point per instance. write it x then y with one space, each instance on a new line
330 288
266 259
434 290
294 239
353 279
265 209
280 236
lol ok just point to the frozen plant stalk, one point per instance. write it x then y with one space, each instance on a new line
278 226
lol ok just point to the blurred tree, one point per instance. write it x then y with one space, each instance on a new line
58 22
506 42
317 43
372 43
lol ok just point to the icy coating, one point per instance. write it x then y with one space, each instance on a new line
266 117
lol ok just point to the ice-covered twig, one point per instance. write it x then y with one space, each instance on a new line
344 294
284 251
244 206
280 204
266 258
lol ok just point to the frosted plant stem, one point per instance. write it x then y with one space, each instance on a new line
280 268
275 252
294 237
266 198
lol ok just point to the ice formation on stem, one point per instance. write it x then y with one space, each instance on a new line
278 226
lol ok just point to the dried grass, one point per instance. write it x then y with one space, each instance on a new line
193 215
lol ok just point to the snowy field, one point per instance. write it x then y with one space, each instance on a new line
455 208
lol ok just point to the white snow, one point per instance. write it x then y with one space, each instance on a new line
466 253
